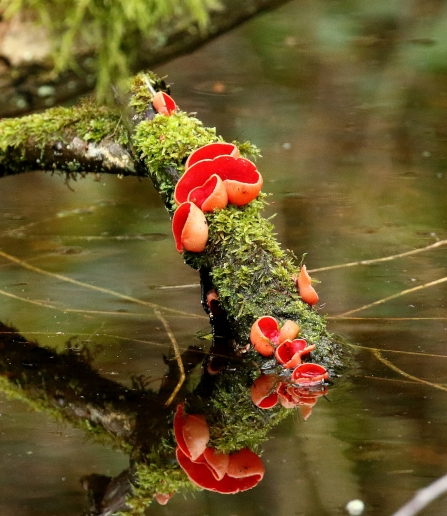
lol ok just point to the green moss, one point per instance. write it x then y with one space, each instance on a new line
116 30
86 121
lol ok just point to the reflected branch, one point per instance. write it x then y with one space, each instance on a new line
113 293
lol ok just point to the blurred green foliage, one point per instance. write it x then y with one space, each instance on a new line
114 28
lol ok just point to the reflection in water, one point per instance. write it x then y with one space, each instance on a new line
204 439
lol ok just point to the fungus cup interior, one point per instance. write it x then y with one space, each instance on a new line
309 374
211 151
227 168
163 103
211 195
269 327
289 353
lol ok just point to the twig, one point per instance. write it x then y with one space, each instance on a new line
384 259
423 497
177 355
93 287
394 296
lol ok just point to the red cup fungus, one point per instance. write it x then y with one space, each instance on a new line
289 353
191 433
200 473
309 374
163 498
265 334
205 466
240 176
305 288
212 195
163 103
289 331
211 151
190 228
263 391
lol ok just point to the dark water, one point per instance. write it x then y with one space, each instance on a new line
348 102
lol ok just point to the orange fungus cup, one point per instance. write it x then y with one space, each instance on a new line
305 288
212 195
289 353
265 334
191 432
189 228
263 391
240 176
163 103
205 466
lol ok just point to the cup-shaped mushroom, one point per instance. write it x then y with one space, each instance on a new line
305 288
245 463
241 178
264 335
309 374
212 195
163 103
289 331
191 432
217 462
200 474
163 498
189 228
263 391
211 151
284 396
289 353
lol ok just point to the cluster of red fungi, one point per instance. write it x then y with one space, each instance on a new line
214 176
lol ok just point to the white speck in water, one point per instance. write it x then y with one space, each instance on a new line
286 146
426 154
355 507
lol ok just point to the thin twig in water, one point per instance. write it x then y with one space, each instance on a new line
384 259
394 296
94 287
178 356
423 497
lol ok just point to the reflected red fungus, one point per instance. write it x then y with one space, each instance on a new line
163 498
163 103
263 392
211 151
212 195
189 228
285 397
289 353
191 433
309 374
248 473
240 176
217 462
245 463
